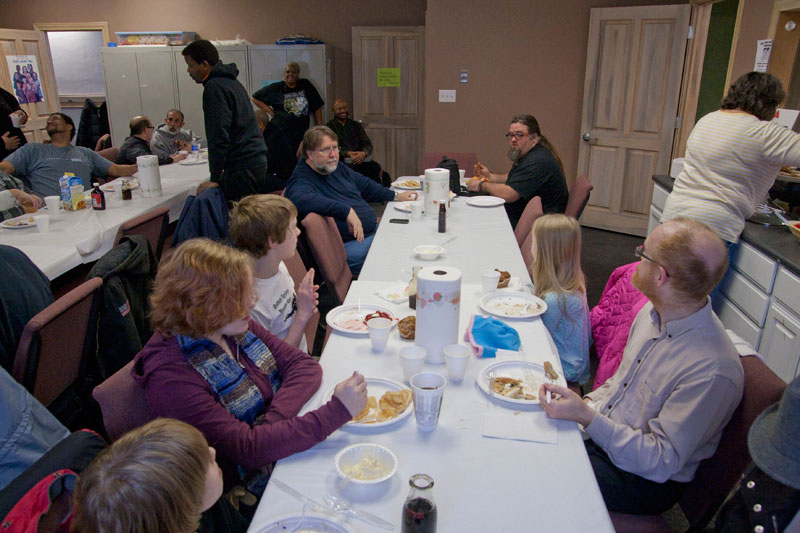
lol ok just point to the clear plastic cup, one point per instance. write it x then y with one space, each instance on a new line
427 390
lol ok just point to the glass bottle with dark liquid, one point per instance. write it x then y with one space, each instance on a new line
419 510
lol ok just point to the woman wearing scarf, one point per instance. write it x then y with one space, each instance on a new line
211 366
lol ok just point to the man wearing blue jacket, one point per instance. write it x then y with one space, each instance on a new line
319 184
237 155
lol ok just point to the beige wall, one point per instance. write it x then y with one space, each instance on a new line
260 22
522 57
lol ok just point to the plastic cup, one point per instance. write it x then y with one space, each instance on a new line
457 357
117 184
15 120
379 330
489 278
462 173
416 210
42 223
427 389
412 359
53 204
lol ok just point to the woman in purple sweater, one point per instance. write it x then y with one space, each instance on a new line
209 365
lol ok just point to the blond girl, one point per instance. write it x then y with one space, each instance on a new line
559 281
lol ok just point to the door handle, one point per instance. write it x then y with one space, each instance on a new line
588 138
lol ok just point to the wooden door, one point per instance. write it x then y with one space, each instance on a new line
30 43
392 116
633 74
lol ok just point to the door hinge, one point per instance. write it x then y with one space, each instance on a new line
690 35
678 122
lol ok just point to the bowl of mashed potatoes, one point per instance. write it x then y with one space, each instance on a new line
366 463
428 252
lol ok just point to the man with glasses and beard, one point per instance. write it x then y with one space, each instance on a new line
536 171
319 184
680 380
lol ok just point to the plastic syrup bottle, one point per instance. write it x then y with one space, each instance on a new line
98 197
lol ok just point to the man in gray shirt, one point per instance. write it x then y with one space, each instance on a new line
680 380
41 165
170 137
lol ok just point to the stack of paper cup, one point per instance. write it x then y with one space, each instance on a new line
437 190
438 304
149 176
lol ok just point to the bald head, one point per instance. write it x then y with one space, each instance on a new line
140 124
694 256
341 110
262 118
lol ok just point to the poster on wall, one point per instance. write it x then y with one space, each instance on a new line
25 78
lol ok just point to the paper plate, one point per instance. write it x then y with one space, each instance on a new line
20 222
485 201
311 522
347 319
190 161
513 304
404 207
376 387
408 183
532 379
109 187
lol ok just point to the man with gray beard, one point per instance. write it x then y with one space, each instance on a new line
319 184
537 171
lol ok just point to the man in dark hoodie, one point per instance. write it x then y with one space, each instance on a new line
237 155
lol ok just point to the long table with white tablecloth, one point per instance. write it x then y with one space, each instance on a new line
77 237
481 484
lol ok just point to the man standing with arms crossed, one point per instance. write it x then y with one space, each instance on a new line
237 155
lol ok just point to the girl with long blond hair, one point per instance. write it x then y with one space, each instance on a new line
559 281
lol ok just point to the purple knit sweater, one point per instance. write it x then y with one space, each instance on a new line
176 390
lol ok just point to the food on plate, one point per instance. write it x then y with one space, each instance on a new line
408 327
516 308
369 467
377 314
511 388
409 183
15 223
505 277
372 403
390 406
549 371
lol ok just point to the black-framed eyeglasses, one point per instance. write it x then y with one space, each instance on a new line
639 253
518 134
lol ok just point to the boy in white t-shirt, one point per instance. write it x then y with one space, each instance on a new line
265 226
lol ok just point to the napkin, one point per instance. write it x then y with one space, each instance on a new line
486 334
396 294
93 228
532 426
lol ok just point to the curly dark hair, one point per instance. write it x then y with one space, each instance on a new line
757 93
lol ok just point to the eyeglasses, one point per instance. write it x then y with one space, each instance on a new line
518 134
327 151
639 253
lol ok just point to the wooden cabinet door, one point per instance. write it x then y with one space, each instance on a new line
633 72
780 342
393 116
30 43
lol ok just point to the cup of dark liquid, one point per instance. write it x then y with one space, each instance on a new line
427 389
419 509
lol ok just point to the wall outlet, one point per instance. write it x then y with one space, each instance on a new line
447 95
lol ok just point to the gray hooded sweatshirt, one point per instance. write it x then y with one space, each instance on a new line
162 145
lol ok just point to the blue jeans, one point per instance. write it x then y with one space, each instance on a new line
716 294
357 252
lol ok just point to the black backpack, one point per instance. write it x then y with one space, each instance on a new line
452 166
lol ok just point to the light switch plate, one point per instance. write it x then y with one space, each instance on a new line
447 95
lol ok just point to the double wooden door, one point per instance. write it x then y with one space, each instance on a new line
633 75
392 116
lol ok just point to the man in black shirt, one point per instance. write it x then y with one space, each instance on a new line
537 171
354 144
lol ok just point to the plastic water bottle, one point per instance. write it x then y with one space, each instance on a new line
195 150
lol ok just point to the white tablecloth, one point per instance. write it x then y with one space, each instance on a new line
484 240
481 484
56 251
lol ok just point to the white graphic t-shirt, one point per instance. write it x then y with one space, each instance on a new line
277 304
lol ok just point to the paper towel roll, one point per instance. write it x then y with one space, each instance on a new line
677 167
149 176
438 303
437 190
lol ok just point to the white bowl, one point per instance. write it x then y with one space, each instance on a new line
428 252
366 463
